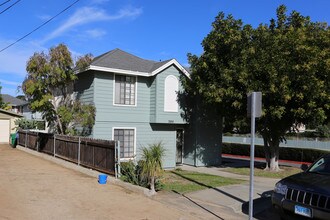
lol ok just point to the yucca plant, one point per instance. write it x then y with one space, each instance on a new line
151 164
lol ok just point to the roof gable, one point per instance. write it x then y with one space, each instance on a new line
12 100
118 61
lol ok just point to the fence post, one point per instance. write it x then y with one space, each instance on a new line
116 173
78 151
117 163
54 145
25 138
94 156
38 141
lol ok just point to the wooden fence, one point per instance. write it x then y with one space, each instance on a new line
92 153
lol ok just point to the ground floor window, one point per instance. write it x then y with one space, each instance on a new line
127 140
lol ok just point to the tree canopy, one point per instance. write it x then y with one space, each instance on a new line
287 60
49 87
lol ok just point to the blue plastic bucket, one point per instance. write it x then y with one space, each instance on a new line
102 179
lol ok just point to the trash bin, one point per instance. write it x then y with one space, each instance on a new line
102 178
13 141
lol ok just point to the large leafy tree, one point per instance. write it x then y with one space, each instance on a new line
287 60
49 87
3 105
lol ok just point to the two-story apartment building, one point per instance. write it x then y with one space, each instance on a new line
136 103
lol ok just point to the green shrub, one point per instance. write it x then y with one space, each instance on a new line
159 185
128 172
150 167
323 130
151 164
131 173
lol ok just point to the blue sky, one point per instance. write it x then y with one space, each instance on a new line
155 30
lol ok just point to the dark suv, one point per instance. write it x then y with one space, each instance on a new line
306 194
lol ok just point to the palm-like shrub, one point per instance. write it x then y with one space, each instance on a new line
151 164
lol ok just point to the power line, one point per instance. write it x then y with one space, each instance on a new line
9 6
4 2
40 26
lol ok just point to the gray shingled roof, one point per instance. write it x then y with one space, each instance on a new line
12 100
118 59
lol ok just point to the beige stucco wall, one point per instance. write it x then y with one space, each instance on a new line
12 119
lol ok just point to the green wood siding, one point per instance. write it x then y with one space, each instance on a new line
202 145
98 87
153 101
146 134
160 115
85 87
107 111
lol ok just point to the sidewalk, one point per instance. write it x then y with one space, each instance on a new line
235 197
227 202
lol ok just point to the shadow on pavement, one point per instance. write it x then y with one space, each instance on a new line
199 205
262 207
238 163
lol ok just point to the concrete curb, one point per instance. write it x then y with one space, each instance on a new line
86 171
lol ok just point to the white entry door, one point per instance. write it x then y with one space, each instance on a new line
4 131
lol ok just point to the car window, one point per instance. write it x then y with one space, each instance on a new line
322 166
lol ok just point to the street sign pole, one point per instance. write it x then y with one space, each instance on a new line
252 156
254 110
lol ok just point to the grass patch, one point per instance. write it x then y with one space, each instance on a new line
182 181
285 171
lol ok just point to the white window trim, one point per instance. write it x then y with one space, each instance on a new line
177 110
126 128
114 91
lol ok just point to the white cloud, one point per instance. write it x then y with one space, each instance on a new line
13 60
99 2
13 64
96 33
11 83
10 91
87 15
44 17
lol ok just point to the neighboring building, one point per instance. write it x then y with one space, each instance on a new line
21 107
7 124
136 103
15 105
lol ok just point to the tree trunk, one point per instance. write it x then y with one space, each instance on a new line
59 123
58 119
152 185
271 147
267 152
274 155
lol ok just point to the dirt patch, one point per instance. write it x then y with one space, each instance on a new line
33 188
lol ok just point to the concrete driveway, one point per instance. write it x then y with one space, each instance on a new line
34 188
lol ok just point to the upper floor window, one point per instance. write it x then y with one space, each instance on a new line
171 89
125 87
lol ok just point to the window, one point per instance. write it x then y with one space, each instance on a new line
127 140
125 90
171 89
